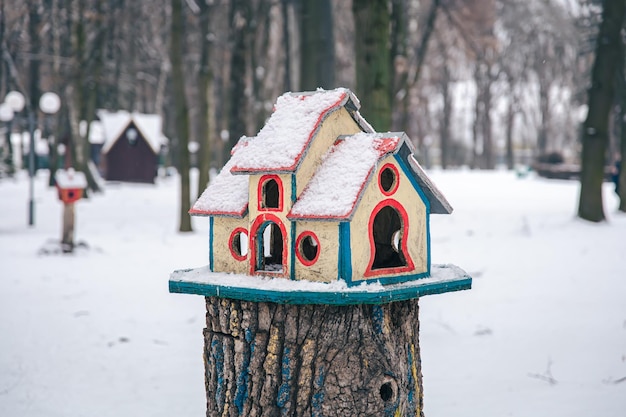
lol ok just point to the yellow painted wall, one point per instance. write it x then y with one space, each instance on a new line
325 268
223 260
416 211
338 123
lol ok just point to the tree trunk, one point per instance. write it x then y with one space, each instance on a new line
205 78
373 62
34 35
240 22
510 122
181 113
317 63
399 63
446 114
267 359
544 107
595 128
621 179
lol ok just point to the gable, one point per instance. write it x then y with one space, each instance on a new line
282 142
115 124
336 186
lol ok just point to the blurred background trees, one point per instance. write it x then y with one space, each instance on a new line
478 83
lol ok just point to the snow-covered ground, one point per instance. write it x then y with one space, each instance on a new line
542 332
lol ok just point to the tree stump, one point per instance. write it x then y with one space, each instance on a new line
269 359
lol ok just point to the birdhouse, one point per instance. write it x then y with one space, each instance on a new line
70 185
319 243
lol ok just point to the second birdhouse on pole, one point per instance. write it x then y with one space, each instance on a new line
319 248
70 186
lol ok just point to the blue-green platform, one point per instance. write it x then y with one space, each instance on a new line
201 281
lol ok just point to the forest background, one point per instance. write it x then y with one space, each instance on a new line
476 83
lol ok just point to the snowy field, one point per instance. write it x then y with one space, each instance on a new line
96 333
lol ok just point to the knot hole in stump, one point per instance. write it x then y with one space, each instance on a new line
388 390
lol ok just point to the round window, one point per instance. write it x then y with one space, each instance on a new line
308 248
388 179
239 244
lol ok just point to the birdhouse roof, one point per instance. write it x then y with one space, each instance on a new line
114 124
227 194
69 178
338 184
281 143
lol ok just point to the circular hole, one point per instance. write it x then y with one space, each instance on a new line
309 248
387 179
386 391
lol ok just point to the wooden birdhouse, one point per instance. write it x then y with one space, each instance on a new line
70 185
317 224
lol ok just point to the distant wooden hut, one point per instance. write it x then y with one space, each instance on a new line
132 145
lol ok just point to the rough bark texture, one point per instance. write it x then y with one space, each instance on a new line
266 359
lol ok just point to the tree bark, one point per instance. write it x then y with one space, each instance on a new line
267 359
317 64
205 78
373 62
240 15
181 113
595 128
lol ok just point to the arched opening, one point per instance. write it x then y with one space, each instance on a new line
270 248
271 194
387 234
239 244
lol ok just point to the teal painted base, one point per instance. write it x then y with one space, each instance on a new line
201 281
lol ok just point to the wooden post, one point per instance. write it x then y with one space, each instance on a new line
269 359
67 240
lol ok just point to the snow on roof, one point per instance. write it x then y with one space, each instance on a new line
336 186
69 178
115 123
280 144
227 194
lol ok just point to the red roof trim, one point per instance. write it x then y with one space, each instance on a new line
195 212
292 167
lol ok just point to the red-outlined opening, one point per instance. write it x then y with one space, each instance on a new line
388 249
270 193
307 248
388 179
259 262
238 244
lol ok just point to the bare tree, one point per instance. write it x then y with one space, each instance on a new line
182 112
317 64
372 23
595 129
